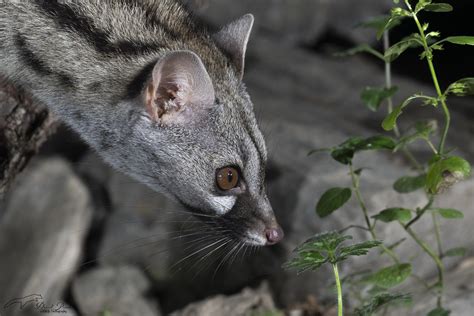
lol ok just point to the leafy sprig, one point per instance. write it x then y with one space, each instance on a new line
436 175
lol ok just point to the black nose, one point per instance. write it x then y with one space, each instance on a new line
274 235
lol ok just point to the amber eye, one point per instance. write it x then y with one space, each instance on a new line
227 178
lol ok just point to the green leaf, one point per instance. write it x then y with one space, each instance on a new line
395 244
363 48
422 130
383 23
432 34
449 213
396 16
373 97
445 172
381 300
360 249
459 40
316 251
344 152
319 150
105 313
393 214
375 23
331 200
421 5
391 120
456 252
461 87
306 261
439 7
391 276
397 49
377 142
328 242
326 248
409 184
439 311
437 47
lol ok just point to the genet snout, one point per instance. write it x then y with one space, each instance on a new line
274 235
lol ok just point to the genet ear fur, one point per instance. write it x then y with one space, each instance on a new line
180 83
233 39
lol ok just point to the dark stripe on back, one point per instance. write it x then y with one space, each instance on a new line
137 84
30 59
67 18
151 18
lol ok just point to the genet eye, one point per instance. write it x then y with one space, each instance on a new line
227 178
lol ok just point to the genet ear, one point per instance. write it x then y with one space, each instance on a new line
233 39
180 83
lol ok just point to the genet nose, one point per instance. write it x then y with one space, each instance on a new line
274 235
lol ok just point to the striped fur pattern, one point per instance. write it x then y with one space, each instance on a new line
90 62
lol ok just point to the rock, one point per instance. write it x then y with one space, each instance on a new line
248 302
296 22
118 290
141 225
42 232
344 16
293 21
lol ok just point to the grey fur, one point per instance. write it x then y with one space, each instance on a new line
90 61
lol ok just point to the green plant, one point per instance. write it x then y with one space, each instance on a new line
105 312
437 174
328 248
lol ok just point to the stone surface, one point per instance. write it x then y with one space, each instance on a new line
141 225
248 302
293 21
344 16
118 290
41 234
24 126
296 22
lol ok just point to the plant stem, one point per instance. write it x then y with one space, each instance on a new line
413 160
353 226
436 259
441 97
388 85
421 281
388 78
355 185
370 227
339 290
433 148
421 212
437 234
